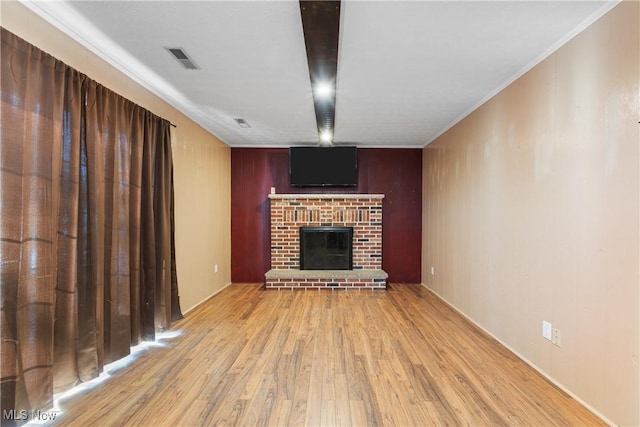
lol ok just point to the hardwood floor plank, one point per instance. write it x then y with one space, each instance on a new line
282 413
251 357
342 407
358 413
302 359
364 378
314 411
263 404
327 414
214 396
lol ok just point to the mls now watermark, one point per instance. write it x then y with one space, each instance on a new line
24 415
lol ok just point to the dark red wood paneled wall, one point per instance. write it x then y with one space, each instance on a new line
396 173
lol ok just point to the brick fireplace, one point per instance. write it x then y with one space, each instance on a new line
362 212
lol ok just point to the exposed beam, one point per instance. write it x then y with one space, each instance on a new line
320 24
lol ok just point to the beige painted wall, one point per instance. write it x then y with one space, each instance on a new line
202 164
531 213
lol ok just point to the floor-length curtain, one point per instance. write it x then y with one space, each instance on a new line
86 233
31 117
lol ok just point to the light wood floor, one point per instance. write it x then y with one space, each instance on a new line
397 358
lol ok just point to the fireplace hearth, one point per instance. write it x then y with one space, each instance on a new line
326 248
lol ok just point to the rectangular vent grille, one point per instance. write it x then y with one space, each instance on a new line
242 123
182 57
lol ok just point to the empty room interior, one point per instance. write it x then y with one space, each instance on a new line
320 212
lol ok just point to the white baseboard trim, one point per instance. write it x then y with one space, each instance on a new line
525 360
207 298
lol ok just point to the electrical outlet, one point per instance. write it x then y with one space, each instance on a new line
546 330
557 340
215 268
433 270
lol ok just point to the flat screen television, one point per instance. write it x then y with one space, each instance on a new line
323 166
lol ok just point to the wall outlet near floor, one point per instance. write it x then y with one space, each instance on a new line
557 340
546 330
432 270
215 268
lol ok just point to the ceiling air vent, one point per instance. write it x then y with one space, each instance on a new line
242 123
182 57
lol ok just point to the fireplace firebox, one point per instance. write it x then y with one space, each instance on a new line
326 248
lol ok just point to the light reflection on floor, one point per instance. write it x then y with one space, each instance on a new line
48 417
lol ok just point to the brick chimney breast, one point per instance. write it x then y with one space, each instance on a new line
363 212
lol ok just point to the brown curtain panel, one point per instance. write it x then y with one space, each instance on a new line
86 234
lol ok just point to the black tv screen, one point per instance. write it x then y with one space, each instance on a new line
323 166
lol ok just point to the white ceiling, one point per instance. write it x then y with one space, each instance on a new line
407 70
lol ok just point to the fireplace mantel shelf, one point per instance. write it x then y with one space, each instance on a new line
327 196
